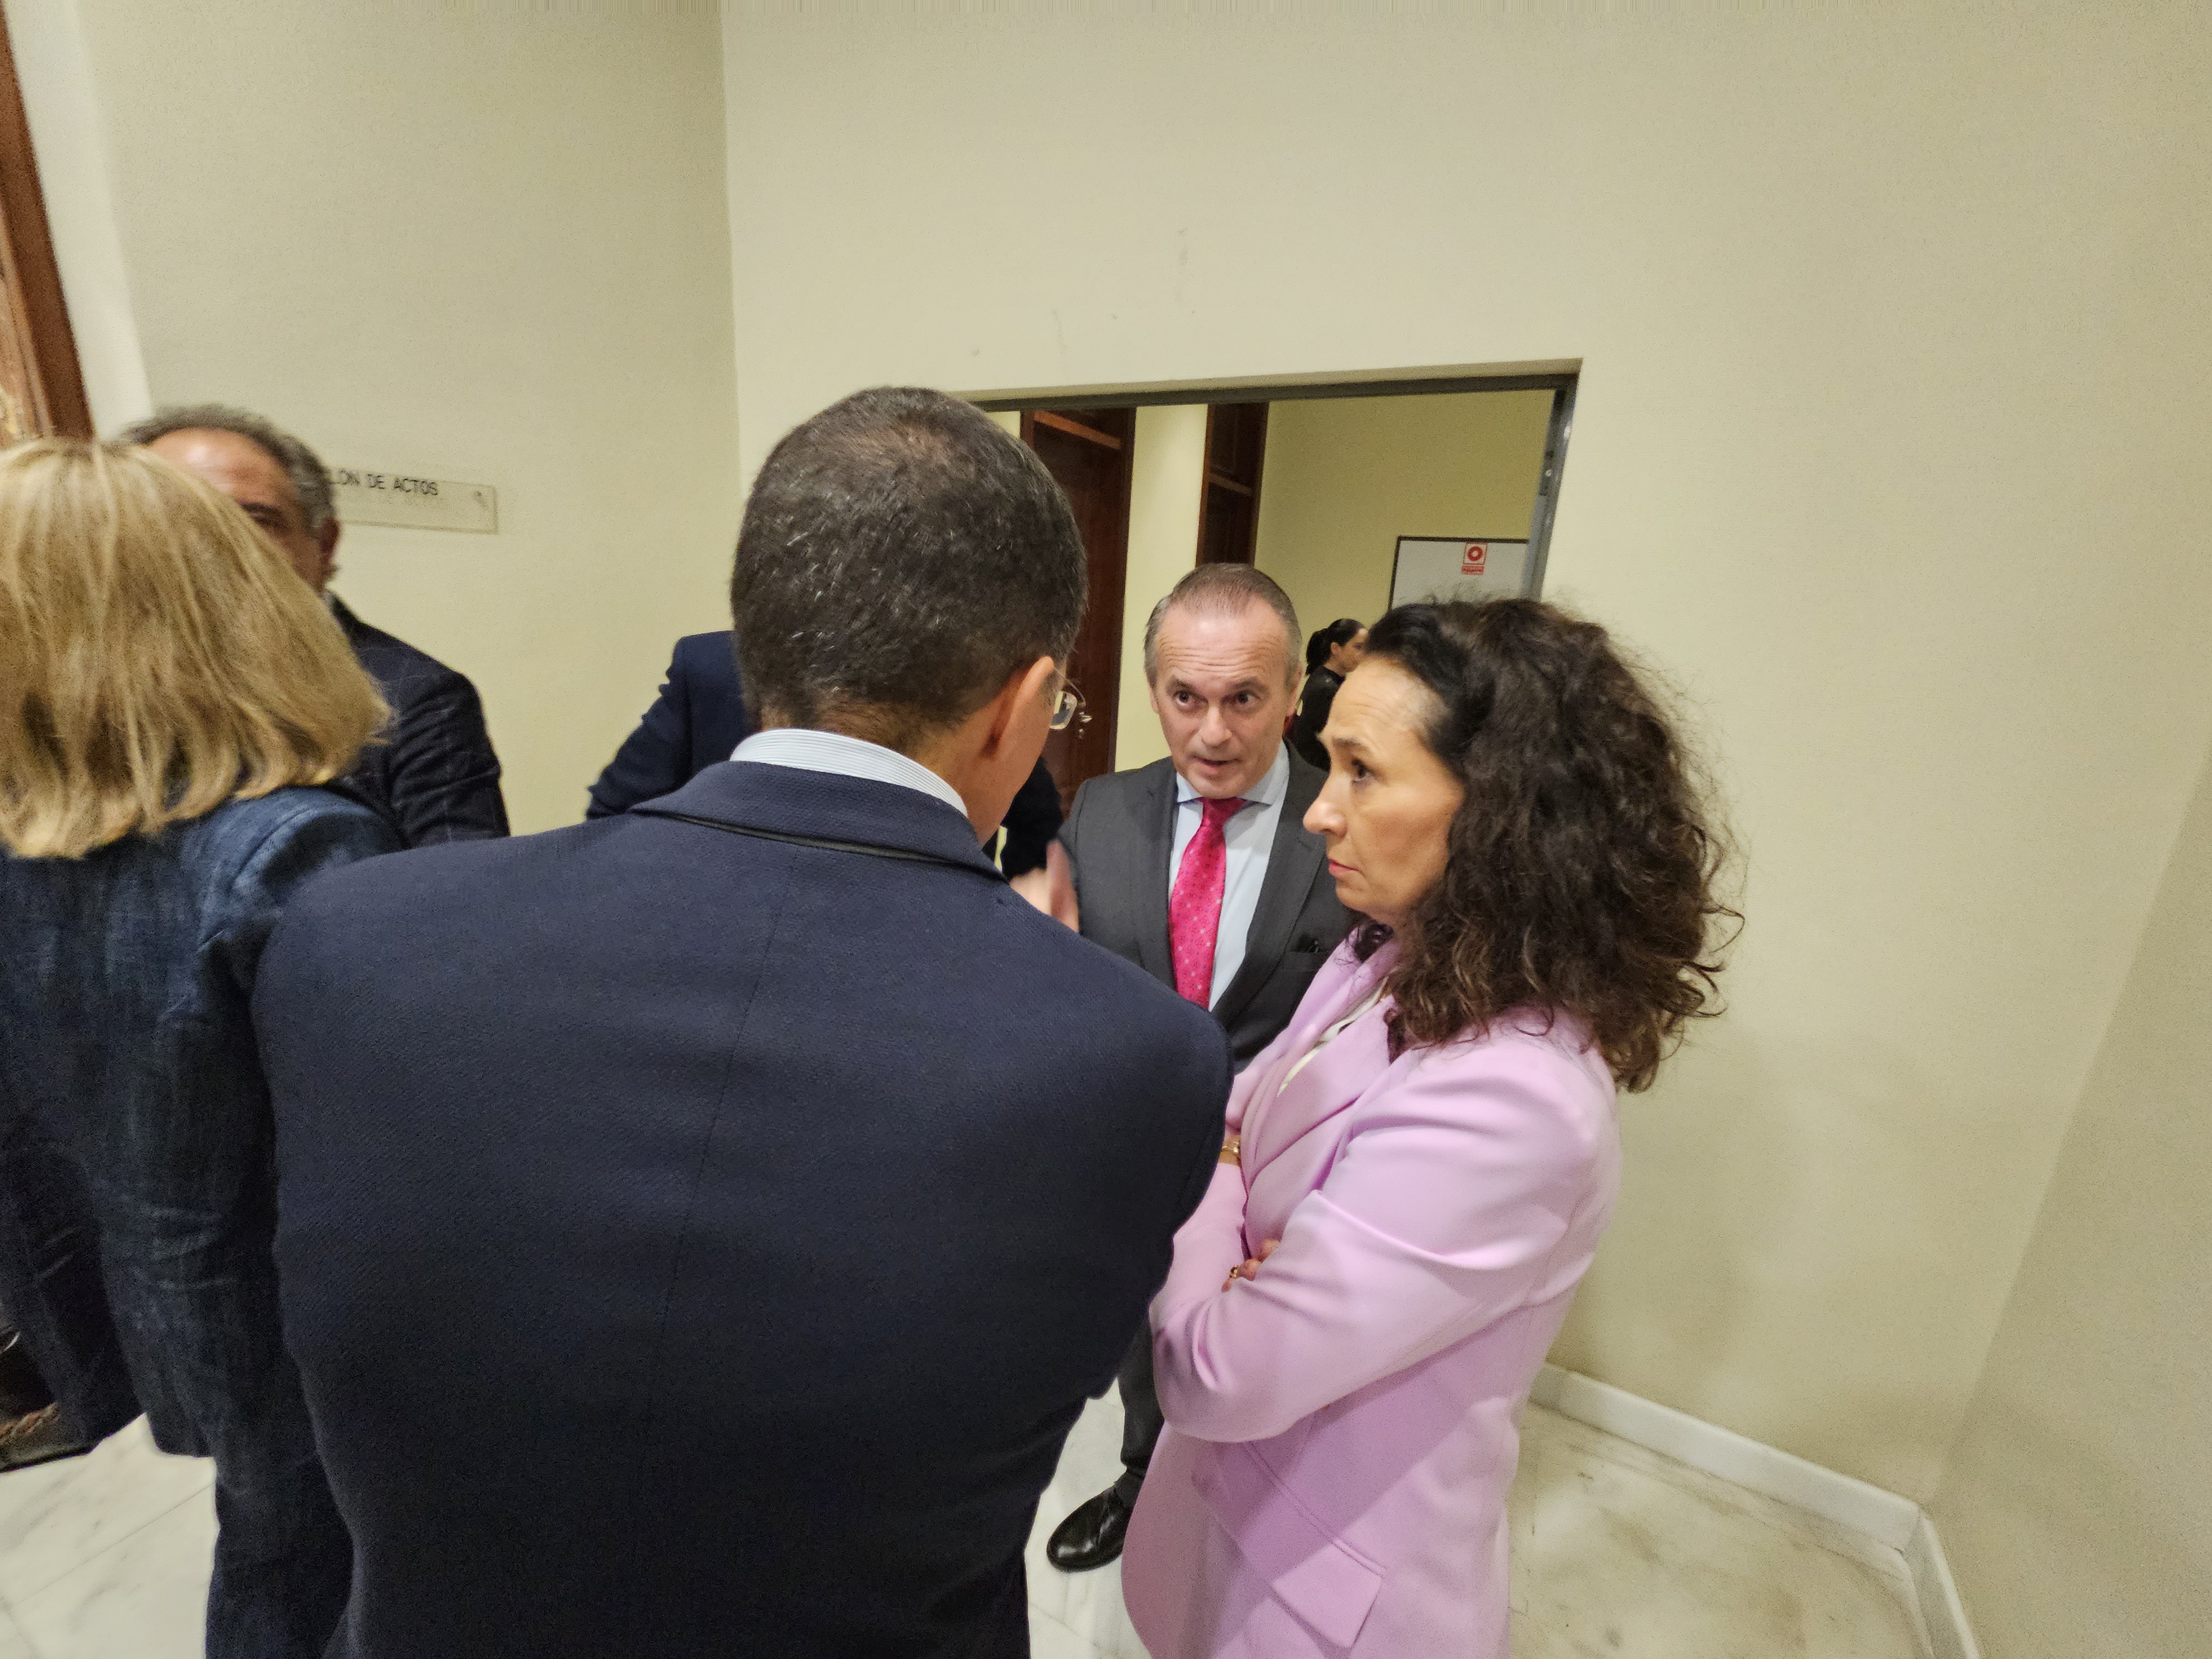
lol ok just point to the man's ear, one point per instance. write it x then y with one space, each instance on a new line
1024 687
327 539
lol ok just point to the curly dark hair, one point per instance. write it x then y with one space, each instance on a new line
1582 866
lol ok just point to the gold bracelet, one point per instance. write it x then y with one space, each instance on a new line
1232 1149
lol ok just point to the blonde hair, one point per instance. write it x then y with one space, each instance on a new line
158 658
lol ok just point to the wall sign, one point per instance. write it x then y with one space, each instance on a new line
410 502
1457 568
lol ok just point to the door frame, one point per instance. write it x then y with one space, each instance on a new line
32 277
1560 377
1102 694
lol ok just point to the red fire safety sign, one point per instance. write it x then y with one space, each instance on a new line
1471 562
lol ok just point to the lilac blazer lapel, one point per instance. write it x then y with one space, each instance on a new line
1257 1084
1282 1113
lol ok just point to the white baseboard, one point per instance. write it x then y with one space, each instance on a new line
1948 1633
1884 1516
1744 1462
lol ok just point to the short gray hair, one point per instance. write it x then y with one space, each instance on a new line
901 555
311 479
1222 590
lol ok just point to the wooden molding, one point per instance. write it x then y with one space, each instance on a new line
38 312
1074 429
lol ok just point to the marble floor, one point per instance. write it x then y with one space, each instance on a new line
1619 1554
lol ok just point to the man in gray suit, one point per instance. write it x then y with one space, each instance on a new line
1200 870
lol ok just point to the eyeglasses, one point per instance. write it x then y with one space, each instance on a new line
1068 710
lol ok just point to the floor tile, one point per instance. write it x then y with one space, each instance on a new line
1051 1639
1087 1603
1621 1554
1095 1612
144 1596
1565 1437
57 1515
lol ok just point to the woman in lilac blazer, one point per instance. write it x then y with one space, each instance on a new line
1418 1171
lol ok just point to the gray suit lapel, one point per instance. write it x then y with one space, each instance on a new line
1155 843
1293 859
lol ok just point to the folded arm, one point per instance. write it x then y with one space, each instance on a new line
1440 1216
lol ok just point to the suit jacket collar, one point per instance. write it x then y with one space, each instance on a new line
784 800
348 624
809 750
1156 954
1293 859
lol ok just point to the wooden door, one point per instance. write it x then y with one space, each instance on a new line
1088 453
41 391
1229 516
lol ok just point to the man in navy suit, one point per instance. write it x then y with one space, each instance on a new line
431 774
700 717
698 1228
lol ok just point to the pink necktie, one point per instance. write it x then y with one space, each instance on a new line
1195 906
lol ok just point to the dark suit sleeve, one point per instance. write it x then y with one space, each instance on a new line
1313 715
655 759
1032 821
445 777
1213 1128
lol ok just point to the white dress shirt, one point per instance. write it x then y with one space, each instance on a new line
1250 836
851 757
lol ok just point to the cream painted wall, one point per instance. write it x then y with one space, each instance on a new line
1346 477
1166 471
489 246
2076 1511
1888 446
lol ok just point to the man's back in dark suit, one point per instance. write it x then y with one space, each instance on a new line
689 1245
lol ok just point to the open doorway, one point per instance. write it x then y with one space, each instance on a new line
1353 497
1089 453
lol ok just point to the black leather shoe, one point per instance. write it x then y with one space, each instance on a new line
22 1391
1092 1534
39 1437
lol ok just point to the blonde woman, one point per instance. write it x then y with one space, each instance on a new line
169 693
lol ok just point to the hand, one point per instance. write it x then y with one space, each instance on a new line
1051 887
1250 1268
